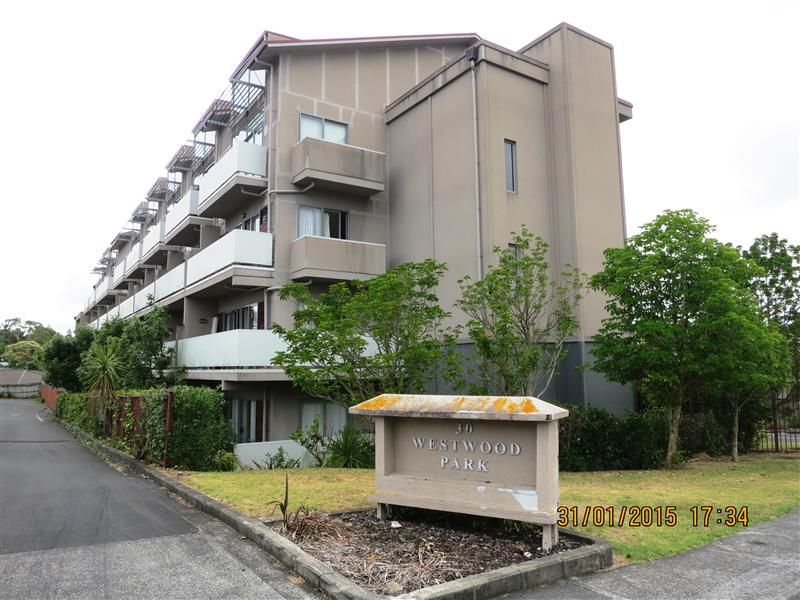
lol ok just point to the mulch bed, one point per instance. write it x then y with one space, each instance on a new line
416 550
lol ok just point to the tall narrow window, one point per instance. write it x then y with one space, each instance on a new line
511 165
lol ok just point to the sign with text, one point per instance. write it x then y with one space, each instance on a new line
482 455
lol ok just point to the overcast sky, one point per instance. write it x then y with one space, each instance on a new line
97 96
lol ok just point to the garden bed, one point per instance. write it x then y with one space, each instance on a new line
419 549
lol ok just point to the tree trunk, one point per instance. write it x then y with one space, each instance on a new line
672 440
735 433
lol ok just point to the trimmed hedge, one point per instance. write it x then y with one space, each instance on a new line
201 438
199 429
592 439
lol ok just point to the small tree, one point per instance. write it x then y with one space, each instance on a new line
659 319
777 288
364 338
748 358
61 358
519 318
102 370
22 355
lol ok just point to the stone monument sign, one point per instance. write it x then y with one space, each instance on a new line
495 456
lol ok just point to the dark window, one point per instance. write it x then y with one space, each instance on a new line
511 165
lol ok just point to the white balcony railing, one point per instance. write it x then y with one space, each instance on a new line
154 237
187 206
113 313
236 247
133 258
237 348
241 158
140 299
119 271
126 308
171 281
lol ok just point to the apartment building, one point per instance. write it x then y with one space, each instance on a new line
335 159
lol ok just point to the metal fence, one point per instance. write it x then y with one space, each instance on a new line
781 431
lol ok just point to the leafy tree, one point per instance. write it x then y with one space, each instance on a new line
659 319
778 291
22 355
363 338
41 334
141 347
748 357
61 358
519 318
16 330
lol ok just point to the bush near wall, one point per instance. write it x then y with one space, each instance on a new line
200 439
592 439
200 434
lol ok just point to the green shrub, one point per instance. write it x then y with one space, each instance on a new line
280 460
224 461
592 439
642 439
702 432
199 428
350 449
72 408
587 440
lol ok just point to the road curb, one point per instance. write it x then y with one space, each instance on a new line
581 561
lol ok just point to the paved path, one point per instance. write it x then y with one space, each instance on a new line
73 527
761 562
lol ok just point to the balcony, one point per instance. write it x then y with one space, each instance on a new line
101 294
152 240
243 168
126 308
334 259
338 167
180 222
236 248
119 273
133 262
170 282
140 299
240 348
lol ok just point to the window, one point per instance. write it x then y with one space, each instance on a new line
246 317
321 222
323 129
511 165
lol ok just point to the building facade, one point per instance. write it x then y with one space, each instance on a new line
332 160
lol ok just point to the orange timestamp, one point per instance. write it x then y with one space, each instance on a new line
650 516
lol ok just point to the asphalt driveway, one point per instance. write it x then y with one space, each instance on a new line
71 526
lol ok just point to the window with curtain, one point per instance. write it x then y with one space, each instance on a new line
321 222
323 129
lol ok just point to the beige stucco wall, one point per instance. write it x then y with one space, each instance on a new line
585 150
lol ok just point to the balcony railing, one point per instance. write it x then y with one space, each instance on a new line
133 259
170 282
153 238
140 299
119 272
338 167
186 207
242 160
331 258
236 247
126 308
246 348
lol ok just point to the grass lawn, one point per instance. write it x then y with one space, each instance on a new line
769 485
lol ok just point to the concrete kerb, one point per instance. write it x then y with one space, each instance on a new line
543 571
